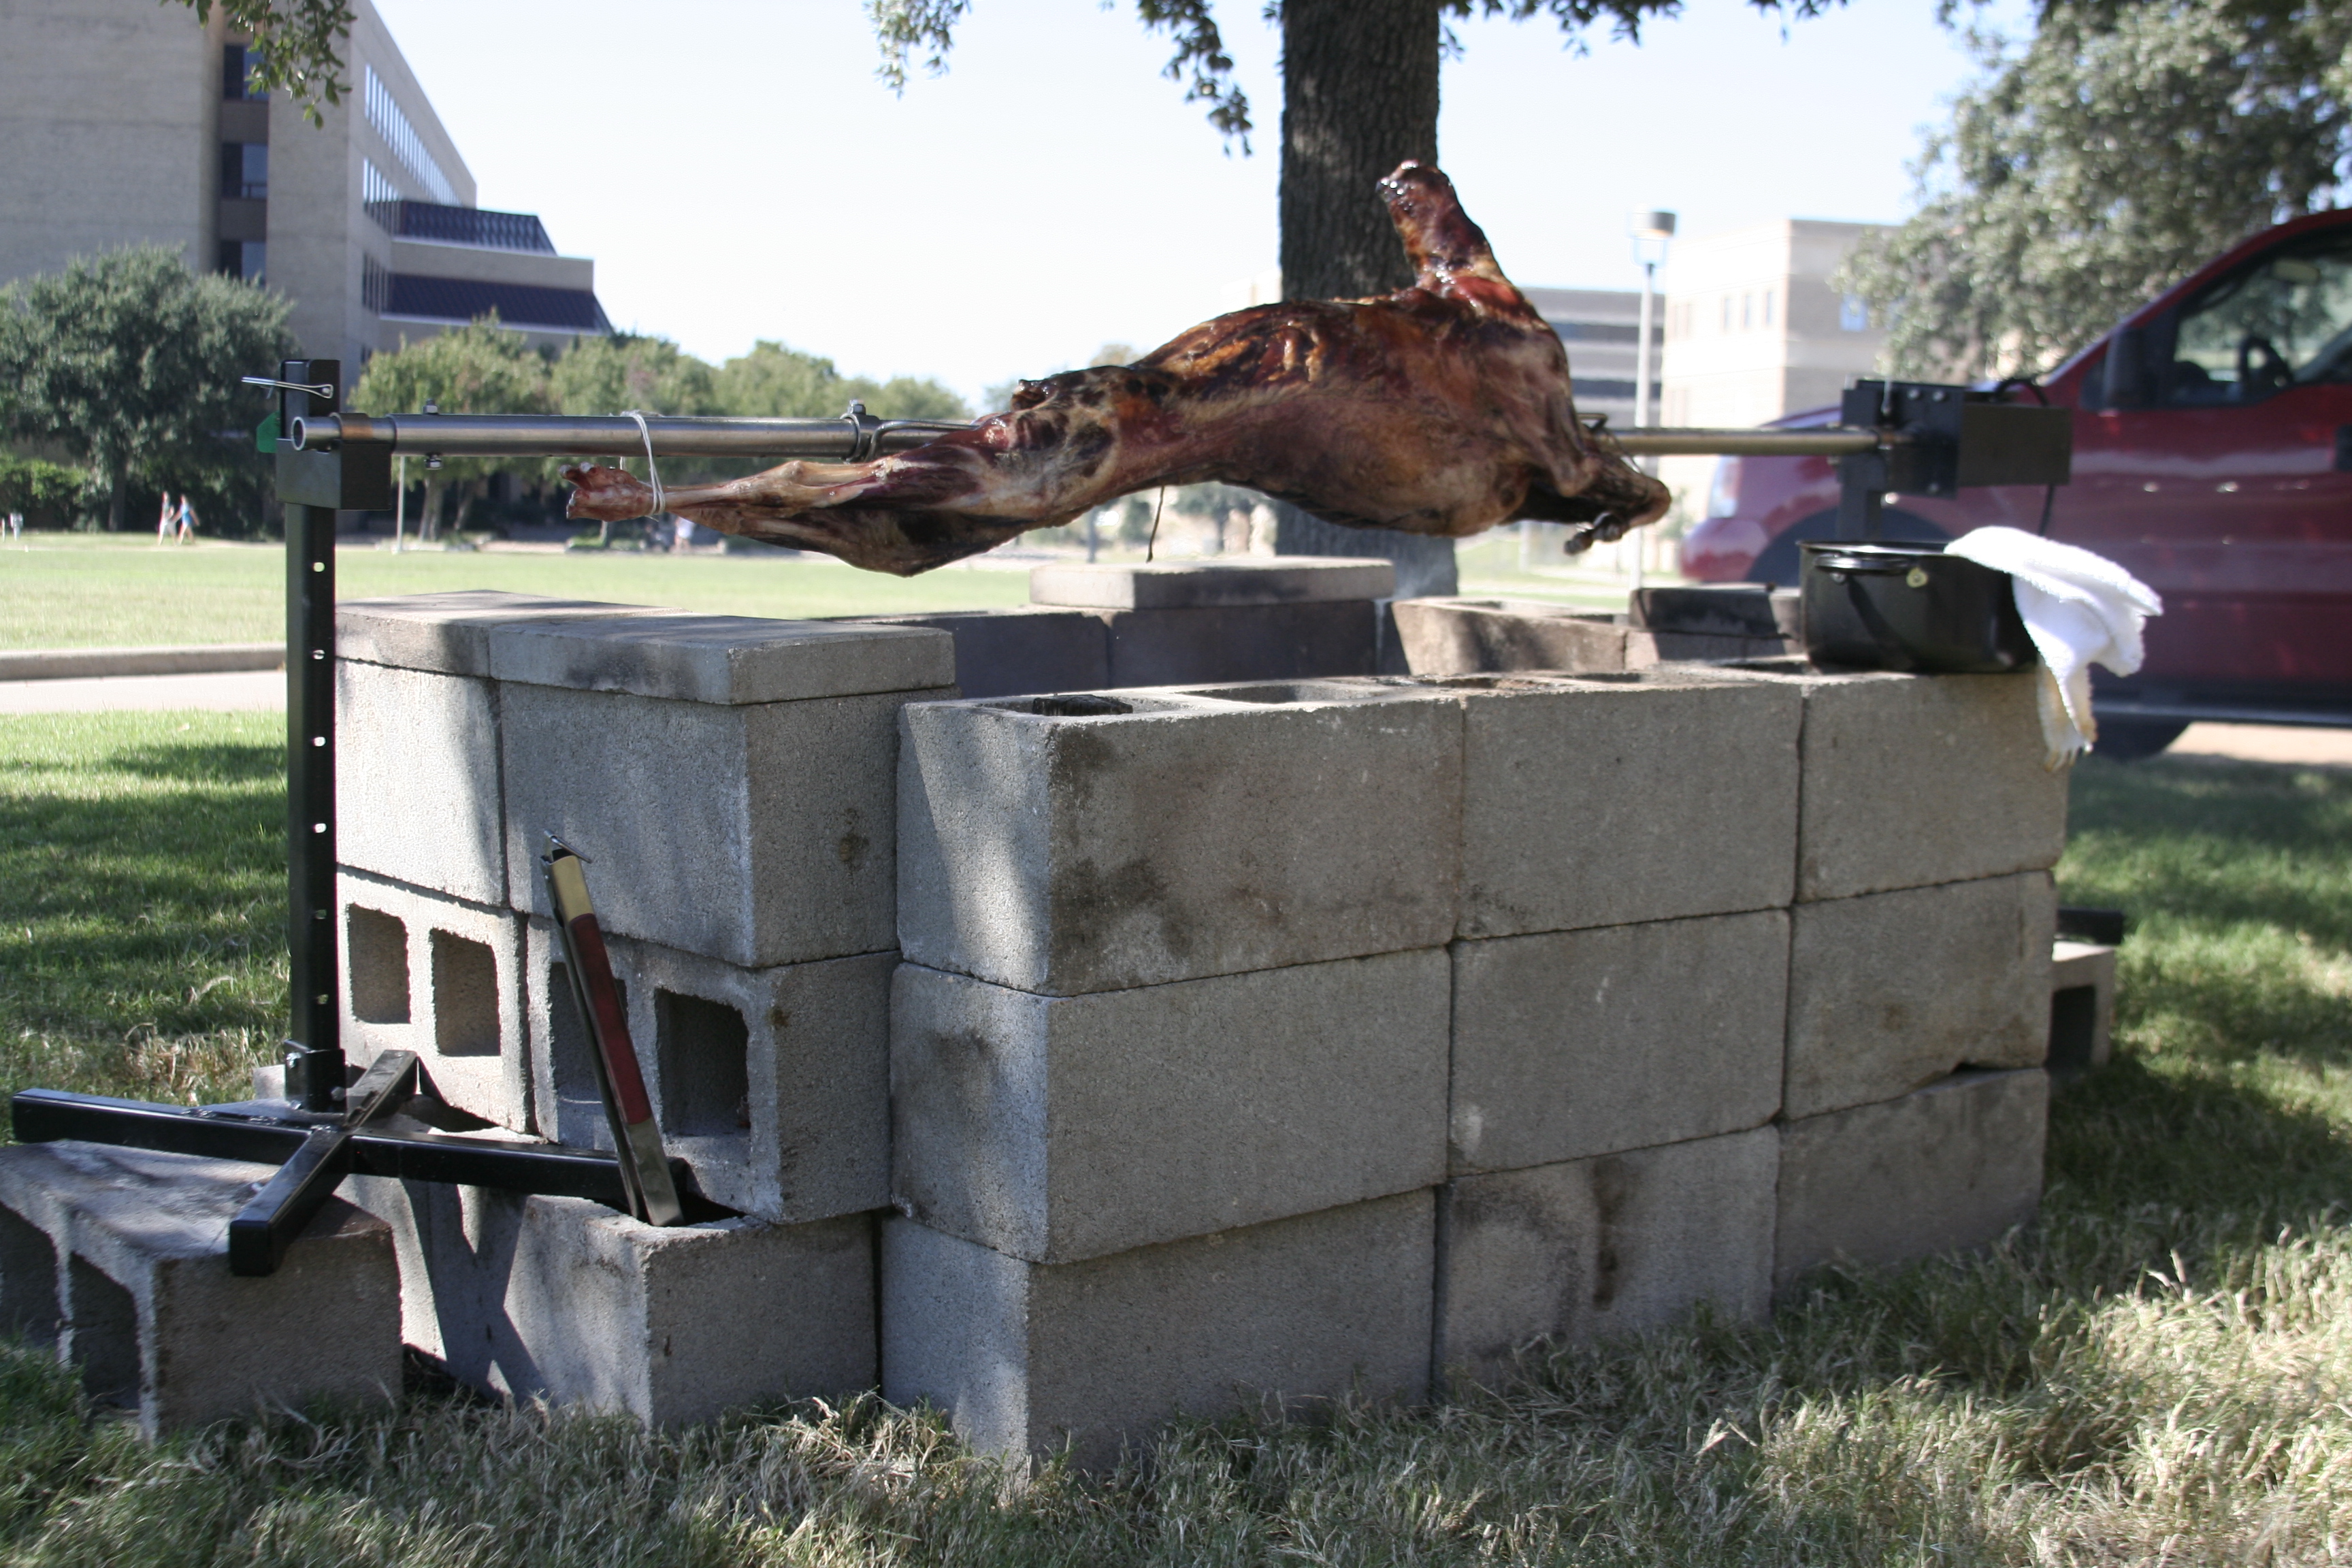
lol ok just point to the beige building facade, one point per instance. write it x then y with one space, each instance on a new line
131 122
1755 330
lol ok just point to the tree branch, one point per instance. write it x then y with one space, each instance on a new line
294 46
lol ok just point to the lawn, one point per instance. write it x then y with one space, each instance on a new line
2157 1371
87 591
77 590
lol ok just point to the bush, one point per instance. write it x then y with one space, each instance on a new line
50 494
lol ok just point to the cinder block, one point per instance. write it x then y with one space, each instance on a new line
563 1299
724 659
1201 585
449 633
1243 642
757 833
123 1255
772 1084
1649 649
1891 991
2082 1006
416 779
1590 1249
1026 1357
1912 780
1014 652
442 978
1744 610
1472 637
1612 798
1582 1043
1184 836
1056 1129
1952 1166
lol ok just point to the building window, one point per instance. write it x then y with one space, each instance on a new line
1767 307
245 170
1853 314
236 75
243 258
375 285
399 135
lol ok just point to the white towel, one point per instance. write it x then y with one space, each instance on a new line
2080 609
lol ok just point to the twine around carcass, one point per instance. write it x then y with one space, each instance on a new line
653 470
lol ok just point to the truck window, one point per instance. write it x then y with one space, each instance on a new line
2285 319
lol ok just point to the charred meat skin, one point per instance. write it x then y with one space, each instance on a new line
1443 408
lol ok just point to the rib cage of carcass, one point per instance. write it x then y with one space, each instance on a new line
1441 409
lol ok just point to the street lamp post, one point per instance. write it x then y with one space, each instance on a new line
1652 232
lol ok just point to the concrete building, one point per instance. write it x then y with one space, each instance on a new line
1602 330
133 124
1753 331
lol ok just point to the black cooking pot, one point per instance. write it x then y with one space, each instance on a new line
1910 607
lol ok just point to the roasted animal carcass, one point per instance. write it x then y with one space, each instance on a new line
1443 408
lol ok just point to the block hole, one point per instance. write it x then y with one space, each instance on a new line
1079 705
572 1062
29 1280
377 946
704 1048
1292 691
102 1334
2073 1028
465 997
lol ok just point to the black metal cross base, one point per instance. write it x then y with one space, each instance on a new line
329 1126
384 1133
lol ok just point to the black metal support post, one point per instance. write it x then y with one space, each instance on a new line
1861 494
314 1050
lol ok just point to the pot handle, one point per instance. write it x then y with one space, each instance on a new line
1861 567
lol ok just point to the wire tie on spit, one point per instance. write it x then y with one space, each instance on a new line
652 471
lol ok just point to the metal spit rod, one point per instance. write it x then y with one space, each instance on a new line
858 436
1833 441
847 438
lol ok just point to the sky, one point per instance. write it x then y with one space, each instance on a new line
738 170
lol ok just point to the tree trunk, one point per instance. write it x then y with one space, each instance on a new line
118 497
1359 97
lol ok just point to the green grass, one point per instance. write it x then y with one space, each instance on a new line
2157 1371
142 897
75 591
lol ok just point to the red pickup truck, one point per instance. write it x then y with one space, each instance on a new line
2212 458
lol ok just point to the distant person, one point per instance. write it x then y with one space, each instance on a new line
188 520
16 526
165 519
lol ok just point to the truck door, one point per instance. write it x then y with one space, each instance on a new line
2229 491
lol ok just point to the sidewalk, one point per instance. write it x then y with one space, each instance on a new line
242 690
2266 744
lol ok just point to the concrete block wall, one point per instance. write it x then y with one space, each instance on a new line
1663 1021
731 782
1508 1005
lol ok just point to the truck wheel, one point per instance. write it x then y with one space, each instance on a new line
2135 739
1777 564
